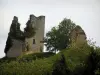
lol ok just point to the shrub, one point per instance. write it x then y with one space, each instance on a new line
60 67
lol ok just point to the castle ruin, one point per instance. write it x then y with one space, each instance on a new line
29 41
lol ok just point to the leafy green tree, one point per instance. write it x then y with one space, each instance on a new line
59 37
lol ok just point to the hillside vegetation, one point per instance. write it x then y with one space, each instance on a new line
72 61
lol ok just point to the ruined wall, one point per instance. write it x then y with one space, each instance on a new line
78 36
20 42
16 49
14 43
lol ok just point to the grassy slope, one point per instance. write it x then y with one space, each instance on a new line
44 66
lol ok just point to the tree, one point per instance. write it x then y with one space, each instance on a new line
59 37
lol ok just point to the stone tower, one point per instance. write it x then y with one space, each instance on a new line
35 43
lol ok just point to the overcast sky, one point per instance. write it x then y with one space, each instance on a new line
85 13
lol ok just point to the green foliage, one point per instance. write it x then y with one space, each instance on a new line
76 56
21 65
93 62
71 61
29 32
59 37
35 56
60 67
15 32
23 68
7 60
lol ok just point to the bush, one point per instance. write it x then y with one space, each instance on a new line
30 57
71 61
60 67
